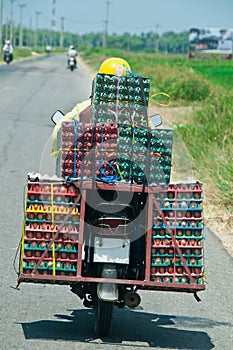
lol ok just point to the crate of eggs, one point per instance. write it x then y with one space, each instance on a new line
84 149
161 141
144 155
120 98
177 235
46 206
114 151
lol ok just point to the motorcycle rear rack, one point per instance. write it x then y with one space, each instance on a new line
146 283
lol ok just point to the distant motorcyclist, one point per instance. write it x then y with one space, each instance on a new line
8 50
72 53
48 49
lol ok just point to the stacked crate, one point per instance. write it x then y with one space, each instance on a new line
86 149
177 235
120 98
144 156
113 151
46 205
160 155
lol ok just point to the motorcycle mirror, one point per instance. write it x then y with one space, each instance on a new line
57 116
156 120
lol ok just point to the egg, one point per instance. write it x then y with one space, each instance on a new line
162 232
29 234
31 216
179 233
40 216
179 270
162 251
192 242
183 204
170 251
197 252
63 189
183 242
38 235
59 245
72 256
28 253
188 232
33 244
162 269
68 265
63 255
153 269
170 269
68 246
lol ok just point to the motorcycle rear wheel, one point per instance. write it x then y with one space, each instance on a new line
103 317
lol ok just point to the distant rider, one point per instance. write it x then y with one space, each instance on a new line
8 48
72 53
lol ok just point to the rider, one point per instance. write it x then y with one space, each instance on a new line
72 53
81 111
8 48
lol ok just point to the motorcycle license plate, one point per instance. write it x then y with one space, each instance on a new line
111 250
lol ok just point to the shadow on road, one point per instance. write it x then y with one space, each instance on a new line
154 330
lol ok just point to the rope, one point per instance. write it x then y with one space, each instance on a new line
163 94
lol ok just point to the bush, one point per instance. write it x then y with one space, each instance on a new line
187 87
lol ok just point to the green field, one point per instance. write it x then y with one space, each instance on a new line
205 85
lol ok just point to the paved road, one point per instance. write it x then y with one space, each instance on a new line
51 317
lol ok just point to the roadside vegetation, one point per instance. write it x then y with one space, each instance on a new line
206 86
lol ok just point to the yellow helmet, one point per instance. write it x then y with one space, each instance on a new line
115 66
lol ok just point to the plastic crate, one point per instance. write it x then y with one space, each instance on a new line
46 206
177 235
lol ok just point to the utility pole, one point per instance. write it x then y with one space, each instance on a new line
1 15
6 37
21 6
30 34
62 33
156 38
53 24
37 17
11 23
105 36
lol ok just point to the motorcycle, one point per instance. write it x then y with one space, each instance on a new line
72 63
129 237
8 57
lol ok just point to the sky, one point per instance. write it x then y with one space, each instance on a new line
133 16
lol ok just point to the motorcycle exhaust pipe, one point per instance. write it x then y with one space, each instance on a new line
132 299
